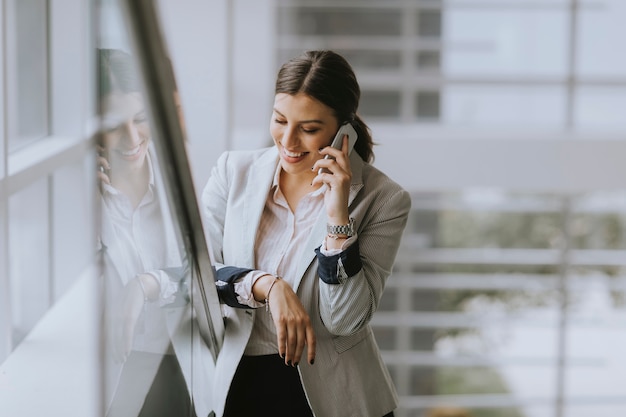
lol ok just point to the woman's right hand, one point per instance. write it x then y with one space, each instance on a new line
103 166
292 322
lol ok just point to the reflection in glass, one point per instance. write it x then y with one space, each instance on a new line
146 273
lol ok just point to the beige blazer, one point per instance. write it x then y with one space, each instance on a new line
349 377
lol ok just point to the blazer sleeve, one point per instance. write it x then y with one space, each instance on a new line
348 303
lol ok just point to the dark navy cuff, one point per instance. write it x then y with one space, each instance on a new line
225 282
328 266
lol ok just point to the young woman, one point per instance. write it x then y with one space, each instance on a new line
303 256
141 258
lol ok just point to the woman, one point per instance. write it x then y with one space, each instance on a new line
143 266
312 247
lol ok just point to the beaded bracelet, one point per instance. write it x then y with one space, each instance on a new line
267 297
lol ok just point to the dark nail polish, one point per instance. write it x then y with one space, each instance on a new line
312 361
289 363
296 364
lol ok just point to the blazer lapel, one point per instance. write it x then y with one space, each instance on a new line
259 182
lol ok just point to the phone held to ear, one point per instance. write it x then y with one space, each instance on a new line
345 129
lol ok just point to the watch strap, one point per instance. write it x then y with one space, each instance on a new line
344 229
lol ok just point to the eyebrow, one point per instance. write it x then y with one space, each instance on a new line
301 121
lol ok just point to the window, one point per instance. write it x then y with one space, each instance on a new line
47 177
27 38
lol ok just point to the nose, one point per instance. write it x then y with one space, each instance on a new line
290 137
131 133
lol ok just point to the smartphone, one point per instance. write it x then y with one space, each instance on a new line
337 143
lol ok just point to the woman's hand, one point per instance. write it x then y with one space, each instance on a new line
292 322
129 312
337 176
103 166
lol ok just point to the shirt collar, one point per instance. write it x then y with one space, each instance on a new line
275 187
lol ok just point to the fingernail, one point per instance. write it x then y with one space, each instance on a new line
312 361
282 355
296 364
289 363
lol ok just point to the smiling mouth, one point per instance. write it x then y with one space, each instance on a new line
294 154
130 152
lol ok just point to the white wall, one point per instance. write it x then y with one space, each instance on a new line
197 34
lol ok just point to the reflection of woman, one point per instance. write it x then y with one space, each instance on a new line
142 260
331 237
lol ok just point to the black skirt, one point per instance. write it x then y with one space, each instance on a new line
265 386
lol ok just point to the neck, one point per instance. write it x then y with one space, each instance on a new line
133 182
294 187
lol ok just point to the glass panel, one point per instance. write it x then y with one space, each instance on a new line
429 23
31 71
428 104
29 241
380 103
428 61
146 271
152 270
339 21
520 41
599 26
487 105
599 107
597 306
478 292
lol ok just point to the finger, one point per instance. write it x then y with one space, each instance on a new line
344 145
292 340
301 337
310 344
103 163
281 339
104 178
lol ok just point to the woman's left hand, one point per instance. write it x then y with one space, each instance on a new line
337 176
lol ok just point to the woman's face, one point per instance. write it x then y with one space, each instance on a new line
300 126
127 133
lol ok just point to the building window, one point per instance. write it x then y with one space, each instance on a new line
28 84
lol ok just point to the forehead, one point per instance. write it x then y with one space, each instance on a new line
122 106
302 106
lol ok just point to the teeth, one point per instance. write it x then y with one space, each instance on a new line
131 152
294 154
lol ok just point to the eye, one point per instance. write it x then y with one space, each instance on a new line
279 121
140 118
309 131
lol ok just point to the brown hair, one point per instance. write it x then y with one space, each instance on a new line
327 77
117 72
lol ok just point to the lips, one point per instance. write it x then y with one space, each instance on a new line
293 154
130 154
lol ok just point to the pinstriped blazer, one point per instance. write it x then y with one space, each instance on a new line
349 377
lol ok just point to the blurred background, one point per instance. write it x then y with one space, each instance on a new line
504 119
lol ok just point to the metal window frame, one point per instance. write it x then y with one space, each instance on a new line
150 49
